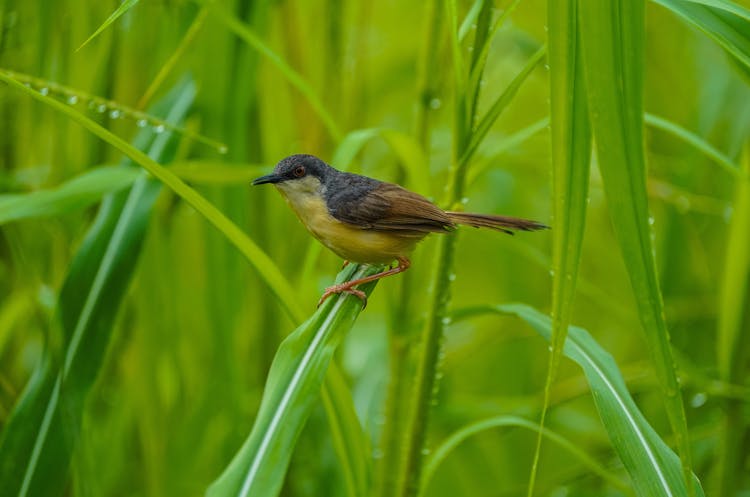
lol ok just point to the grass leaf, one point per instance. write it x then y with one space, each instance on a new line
349 440
499 105
124 7
292 387
732 336
39 437
264 265
727 23
448 445
571 153
77 193
653 467
696 141
613 41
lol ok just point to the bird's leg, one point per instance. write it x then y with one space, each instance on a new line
348 287
346 263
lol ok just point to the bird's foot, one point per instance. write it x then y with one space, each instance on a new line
346 263
343 288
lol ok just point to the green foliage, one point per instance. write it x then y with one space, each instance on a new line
42 430
291 390
476 104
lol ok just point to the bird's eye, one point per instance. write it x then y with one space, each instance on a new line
299 171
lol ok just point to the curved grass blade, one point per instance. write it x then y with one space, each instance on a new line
613 34
263 264
169 65
39 437
499 105
292 388
124 7
727 5
571 152
459 436
349 440
653 467
697 142
77 193
727 23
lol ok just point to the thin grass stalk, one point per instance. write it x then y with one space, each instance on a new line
571 150
166 69
437 317
400 337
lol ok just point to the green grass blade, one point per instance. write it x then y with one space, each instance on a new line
178 53
38 440
734 286
571 153
461 435
295 79
653 467
727 5
696 141
499 105
77 193
264 265
726 23
292 387
124 7
733 340
613 50
349 440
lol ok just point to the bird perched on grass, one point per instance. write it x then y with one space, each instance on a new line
368 221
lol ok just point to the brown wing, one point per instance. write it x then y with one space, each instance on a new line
388 207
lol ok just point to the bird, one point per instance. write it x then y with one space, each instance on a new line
368 221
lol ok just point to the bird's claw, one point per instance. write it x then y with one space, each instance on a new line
338 289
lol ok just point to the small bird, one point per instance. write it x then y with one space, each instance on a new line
368 221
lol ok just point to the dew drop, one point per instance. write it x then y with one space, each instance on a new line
114 114
159 128
651 220
101 108
465 200
435 103
698 400
27 85
452 277
552 272
141 123
471 48
44 90
222 149
446 321
425 451
72 100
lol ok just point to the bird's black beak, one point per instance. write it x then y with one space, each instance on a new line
268 178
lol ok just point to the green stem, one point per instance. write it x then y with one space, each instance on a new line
401 331
427 369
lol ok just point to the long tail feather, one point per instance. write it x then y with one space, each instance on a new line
500 223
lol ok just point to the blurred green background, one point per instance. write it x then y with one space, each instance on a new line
197 329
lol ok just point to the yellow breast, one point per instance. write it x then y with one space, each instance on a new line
347 241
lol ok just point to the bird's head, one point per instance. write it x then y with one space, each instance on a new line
299 173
